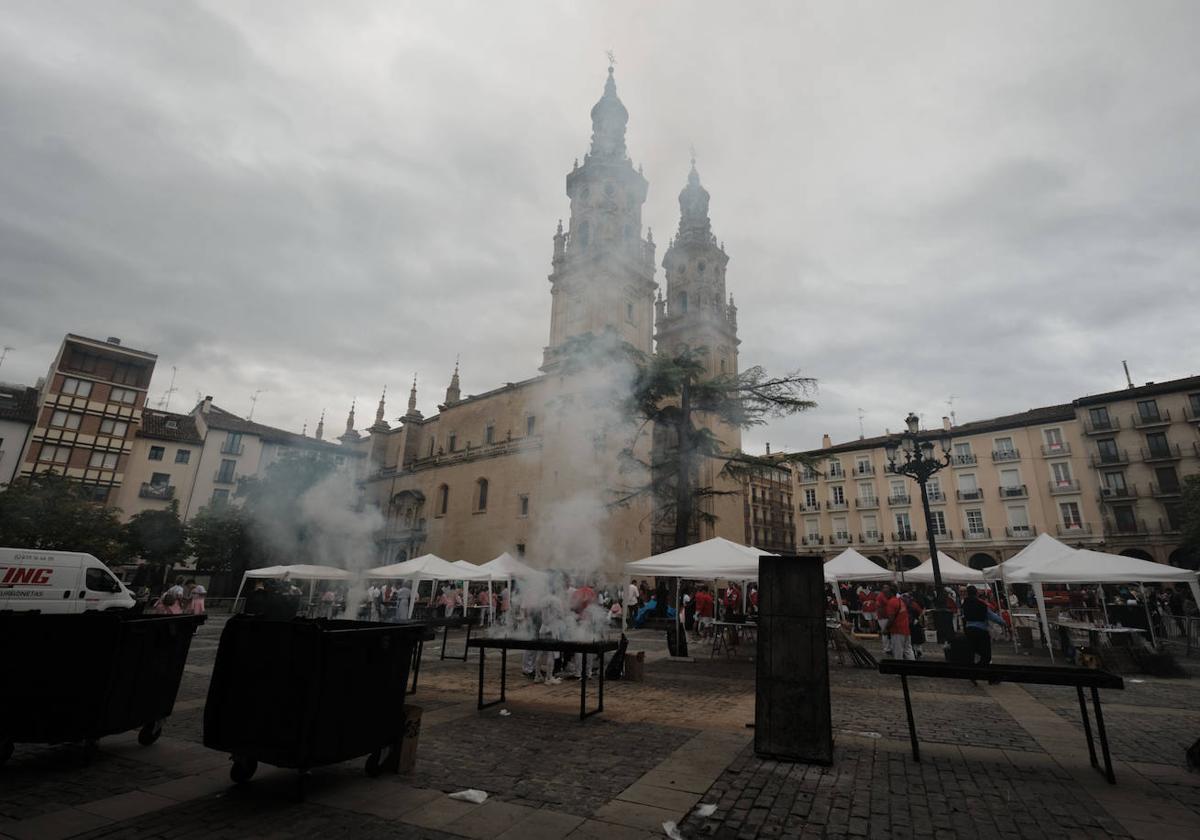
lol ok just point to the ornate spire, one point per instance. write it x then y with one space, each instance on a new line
412 396
693 208
453 393
609 118
350 417
379 411
321 426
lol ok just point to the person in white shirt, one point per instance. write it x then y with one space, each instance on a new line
632 595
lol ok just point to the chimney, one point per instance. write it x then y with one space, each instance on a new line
945 423
112 339
826 442
206 405
768 447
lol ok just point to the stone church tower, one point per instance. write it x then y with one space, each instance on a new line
603 270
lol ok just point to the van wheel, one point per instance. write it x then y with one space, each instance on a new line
149 733
6 751
242 769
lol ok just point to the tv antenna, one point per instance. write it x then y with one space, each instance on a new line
861 433
165 402
254 401
4 354
950 402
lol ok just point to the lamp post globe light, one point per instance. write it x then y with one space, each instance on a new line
914 456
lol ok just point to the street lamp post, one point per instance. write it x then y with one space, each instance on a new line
919 463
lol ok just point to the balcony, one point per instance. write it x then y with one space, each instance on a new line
1110 459
1006 455
1170 452
162 492
941 535
1101 427
981 534
222 477
1149 421
808 478
1191 411
836 472
1065 486
813 508
1159 491
936 497
863 470
1114 494
904 536
1075 529
1020 532
867 504
832 505
841 539
1056 450
970 495
233 448
1166 527
900 500
870 537
1136 528
963 460
812 539
1015 492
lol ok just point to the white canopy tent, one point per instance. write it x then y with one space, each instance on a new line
1044 549
850 566
426 567
298 572
506 568
708 560
952 572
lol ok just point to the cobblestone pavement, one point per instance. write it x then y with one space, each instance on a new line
996 764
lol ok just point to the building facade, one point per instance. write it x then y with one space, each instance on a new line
18 414
1101 472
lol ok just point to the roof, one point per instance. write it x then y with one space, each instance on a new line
18 403
166 425
114 347
219 418
1150 389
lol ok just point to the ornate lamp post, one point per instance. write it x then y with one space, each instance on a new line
919 463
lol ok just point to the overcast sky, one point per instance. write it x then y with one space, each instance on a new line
995 201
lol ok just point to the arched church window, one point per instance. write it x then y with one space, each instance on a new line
683 302
443 499
700 267
584 235
481 494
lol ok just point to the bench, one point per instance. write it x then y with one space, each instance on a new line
1081 678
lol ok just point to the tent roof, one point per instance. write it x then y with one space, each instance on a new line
1044 549
506 566
850 565
1085 566
715 558
301 573
426 567
952 571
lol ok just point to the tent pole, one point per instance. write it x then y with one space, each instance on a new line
1041 602
1103 605
1149 620
238 597
837 594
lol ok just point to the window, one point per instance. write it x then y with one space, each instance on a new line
1018 519
870 527
520 549
862 465
1107 448
160 479
81 360
220 497
103 460
432 441
683 302
530 425
1099 418
812 528
1194 402
1168 480
1148 411
122 395
839 528
114 428
1004 446
897 490
55 454
481 494
1061 473
182 456
65 420
1069 511
938 518
1054 439
443 500
127 375
1114 483
96 493
962 454
1174 516
838 494
975 521
810 497
934 488
225 473
76 387
835 468
489 433
99 580
866 492
1010 479
1125 520
156 453
453 441
233 444
903 525
1157 443
523 505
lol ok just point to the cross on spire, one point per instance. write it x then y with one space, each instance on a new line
612 59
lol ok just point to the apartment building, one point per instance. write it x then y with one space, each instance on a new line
162 463
18 413
1101 472
768 511
88 412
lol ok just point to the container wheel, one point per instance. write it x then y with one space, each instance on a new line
6 751
374 766
149 733
242 769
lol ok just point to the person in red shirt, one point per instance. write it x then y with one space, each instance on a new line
896 612
869 604
704 611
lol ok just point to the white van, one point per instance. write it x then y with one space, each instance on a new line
58 582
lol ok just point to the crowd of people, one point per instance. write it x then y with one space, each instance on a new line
183 597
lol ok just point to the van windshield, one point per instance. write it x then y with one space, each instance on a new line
99 580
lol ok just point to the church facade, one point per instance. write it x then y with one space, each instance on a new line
532 467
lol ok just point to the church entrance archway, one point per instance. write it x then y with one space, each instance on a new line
981 560
1139 553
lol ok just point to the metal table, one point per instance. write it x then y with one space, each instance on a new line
432 623
725 631
504 645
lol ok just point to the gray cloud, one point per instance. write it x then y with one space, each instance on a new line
919 201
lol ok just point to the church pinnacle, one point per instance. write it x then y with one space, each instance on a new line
350 435
412 413
321 426
453 394
609 118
